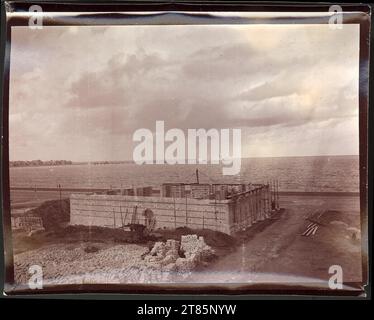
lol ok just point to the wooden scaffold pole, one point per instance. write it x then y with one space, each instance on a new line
277 194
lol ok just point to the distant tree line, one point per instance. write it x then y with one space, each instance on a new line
111 162
38 163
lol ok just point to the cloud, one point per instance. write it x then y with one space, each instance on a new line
261 78
110 86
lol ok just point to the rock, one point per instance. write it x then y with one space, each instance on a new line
171 267
35 232
172 244
172 252
91 249
154 266
195 258
169 259
185 265
196 248
159 249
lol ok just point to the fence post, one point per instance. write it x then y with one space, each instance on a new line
59 188
215 210
277 195
114 218
175 214
186 211
120 209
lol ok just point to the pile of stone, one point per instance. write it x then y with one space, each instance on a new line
194 247
173 259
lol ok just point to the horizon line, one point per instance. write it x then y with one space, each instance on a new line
186 159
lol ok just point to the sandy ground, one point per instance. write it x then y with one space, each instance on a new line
273 251
280 254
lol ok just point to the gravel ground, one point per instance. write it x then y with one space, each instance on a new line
68 264
113 263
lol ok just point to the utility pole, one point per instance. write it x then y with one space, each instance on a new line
197 176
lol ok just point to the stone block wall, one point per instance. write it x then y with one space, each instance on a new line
248 208
229 216
118 210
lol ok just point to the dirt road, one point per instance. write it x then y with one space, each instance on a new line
280 254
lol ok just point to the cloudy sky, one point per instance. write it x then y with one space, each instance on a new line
79 93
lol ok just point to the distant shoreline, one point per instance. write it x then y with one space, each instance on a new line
67 163
39 163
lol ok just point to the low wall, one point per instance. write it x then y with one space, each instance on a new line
26 223
118 210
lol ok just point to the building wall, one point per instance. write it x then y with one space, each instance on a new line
200 191
248 208
117 210
228 216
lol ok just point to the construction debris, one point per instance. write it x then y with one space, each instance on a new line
311 229
315 220
194 247
179 259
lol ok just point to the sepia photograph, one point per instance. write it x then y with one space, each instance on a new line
222 151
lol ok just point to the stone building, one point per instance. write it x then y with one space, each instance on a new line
226 208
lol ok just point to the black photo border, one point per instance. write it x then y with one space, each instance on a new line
365 132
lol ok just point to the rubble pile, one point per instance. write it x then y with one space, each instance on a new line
173 259
196 248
